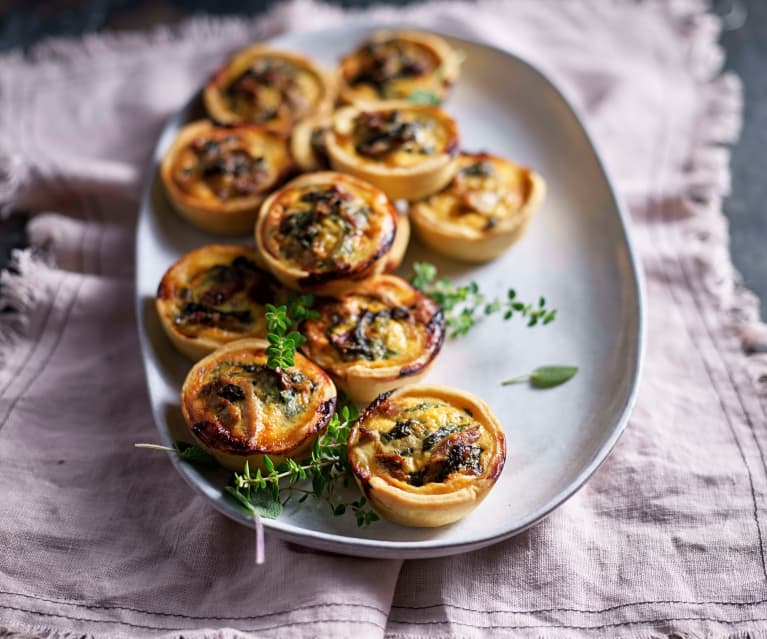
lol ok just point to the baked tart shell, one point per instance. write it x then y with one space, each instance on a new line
232 451
432 505
219 110
332 282
447 62
235 217
176 278
362 381
478 245
398 182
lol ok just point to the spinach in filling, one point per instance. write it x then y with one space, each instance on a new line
321 230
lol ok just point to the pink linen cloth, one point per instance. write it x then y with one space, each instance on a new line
102 540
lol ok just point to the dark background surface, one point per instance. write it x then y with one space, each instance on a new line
25 23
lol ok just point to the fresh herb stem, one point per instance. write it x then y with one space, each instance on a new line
167 449
266 492
516 380
464 305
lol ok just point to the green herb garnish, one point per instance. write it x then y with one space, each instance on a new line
326 468
266 493
545 376
424 97
280 324
464 305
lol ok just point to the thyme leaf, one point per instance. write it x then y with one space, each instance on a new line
326 469
280 322
464 305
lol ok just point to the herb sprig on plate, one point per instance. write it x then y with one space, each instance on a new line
326 469
464 305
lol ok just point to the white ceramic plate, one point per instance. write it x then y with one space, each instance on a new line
577 253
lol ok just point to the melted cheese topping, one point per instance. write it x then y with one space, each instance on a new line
328 228
399 137
222 165
235 404
485 191
273 91
217 293
383 323
423 443
392 67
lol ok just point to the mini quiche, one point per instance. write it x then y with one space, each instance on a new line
238 409
482 212
426 455
217 177
323 232
308 143
380 335
407 150
399 64
214 295
268 87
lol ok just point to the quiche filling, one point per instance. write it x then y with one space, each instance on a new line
399 137
239 405
324 229
395 328
389 66
417 441
273 89
229 296
225 166
483 193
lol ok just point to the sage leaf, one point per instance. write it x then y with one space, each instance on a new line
548 376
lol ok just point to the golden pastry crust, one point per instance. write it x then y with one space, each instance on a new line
382 334
217 177
483 211
324 232
237 409
398 64
426 455
401 241
407 150
214 295
308 143
269 87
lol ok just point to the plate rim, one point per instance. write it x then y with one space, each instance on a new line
435 547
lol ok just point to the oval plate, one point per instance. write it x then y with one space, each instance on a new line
577 253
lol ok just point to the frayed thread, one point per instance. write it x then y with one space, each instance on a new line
707 183
22 285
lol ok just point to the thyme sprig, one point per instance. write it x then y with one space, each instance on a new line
464 305
326 469
281 322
